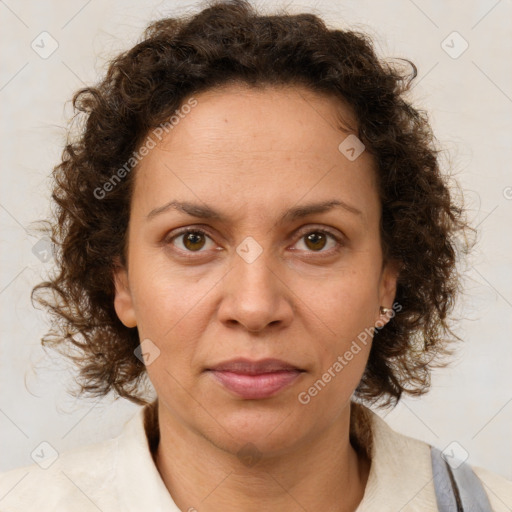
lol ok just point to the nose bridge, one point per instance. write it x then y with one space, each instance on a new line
254 296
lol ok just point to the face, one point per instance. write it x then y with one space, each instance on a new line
282 261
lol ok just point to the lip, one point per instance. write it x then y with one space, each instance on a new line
254 380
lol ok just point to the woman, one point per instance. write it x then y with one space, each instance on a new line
254 218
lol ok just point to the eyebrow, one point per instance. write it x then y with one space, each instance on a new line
298 212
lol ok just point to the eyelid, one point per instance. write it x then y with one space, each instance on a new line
319 228
170 237
334 234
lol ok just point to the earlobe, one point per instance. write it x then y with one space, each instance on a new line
387 291
123 302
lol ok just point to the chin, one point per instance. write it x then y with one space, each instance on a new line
269 430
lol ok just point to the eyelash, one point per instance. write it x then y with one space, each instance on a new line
190 254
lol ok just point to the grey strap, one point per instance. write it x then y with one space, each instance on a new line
471 490
442 483
457 490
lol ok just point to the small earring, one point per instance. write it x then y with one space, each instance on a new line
385 311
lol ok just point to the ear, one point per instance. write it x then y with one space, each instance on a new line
387 288
123 302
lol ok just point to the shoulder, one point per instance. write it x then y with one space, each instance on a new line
86 478
401 473
497 488
76 479
116 474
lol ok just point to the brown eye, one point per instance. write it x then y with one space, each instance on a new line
191 240
316 240
321 242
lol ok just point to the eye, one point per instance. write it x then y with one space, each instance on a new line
194 240
317 239
191 240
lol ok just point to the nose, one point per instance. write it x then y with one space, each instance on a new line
255 296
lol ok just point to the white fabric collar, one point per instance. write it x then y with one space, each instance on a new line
400 474
140 485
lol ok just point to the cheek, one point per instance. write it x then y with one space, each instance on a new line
343 308
345 301
167 297
173 308
327 391
341 358
172 313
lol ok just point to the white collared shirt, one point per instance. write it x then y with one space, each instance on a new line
119 475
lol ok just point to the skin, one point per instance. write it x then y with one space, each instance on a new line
252 154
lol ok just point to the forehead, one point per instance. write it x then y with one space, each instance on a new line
279 142
275 118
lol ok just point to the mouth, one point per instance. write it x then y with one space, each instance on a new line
253 380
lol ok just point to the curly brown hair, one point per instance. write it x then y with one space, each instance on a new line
225 42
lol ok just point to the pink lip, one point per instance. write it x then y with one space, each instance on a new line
255 379
253 387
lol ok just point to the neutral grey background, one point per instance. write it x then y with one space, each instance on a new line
469 97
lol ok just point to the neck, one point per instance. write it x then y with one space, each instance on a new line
326 473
